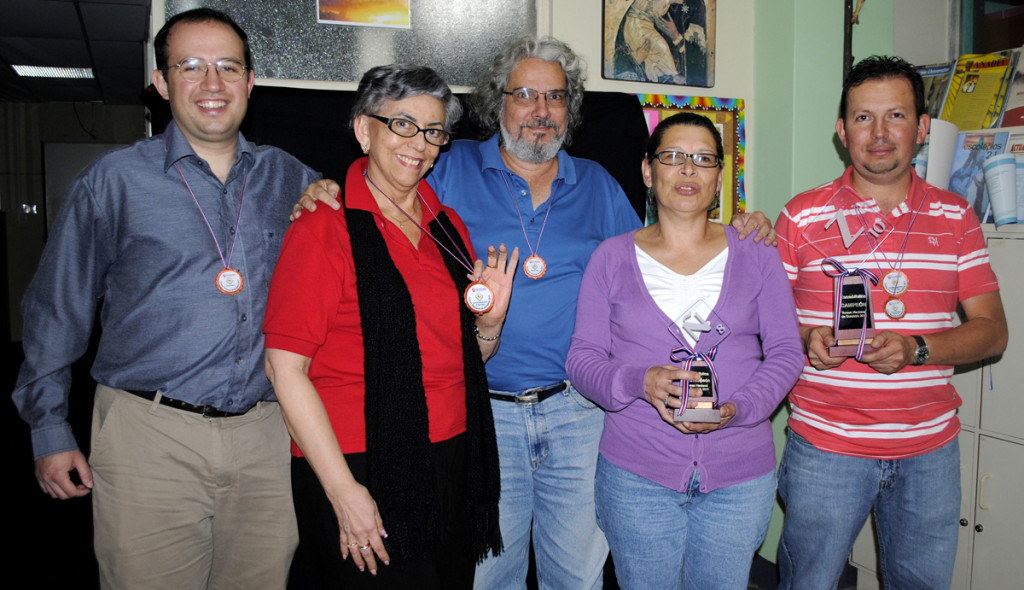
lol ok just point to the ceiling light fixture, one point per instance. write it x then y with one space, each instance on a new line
52 72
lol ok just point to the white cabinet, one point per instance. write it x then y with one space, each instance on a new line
989 555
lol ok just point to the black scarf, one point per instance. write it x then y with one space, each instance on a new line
398 458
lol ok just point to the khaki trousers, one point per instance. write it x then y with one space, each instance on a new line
186 502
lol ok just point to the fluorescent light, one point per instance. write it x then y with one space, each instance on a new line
50 72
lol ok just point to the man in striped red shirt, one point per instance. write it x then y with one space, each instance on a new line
879 430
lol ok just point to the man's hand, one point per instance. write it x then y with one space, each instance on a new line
324 190
816 343
748 223
889 352
53 475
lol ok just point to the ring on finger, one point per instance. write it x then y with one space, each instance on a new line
665 401
365 547
353 544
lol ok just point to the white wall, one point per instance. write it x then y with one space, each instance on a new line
918 30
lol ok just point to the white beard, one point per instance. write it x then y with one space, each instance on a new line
529 151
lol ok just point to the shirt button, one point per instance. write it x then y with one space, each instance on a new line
244 317
694 463
223 191
231 402
239 360
232 230
522 193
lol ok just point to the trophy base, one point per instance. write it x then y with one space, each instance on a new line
847 348
699 415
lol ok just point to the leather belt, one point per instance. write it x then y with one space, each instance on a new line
531 396
206 411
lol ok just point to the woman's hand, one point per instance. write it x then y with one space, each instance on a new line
498 274
665 394
361 530
324 191
727 410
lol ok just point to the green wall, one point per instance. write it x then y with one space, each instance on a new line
798 55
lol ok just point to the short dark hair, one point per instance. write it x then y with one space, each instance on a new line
692 119
883 67
198 15
384 84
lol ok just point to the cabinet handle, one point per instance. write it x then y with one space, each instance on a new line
979 528
981 492
963 522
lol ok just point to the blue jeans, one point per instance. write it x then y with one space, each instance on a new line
828 497
661 538
548 454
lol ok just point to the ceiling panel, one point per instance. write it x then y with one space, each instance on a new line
115 22
108 35
39 18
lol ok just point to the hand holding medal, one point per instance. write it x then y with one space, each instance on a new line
491 286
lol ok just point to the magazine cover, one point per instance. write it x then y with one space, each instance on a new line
1013 113
936 81
968 177
976 89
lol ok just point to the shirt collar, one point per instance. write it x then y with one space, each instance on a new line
916 192
490 155
358 195
177 148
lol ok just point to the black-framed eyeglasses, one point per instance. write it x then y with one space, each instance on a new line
528 96
194 69
406 128
674 158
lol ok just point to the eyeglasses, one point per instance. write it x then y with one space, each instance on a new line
674 158
528 96
194 69
406 128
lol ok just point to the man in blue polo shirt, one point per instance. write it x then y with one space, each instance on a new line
521 189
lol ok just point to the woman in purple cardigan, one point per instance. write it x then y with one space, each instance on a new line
684 504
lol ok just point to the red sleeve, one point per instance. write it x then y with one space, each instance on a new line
307 283
975 275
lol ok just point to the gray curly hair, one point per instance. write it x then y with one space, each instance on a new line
487 98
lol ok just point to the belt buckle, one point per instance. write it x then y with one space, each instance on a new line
529 397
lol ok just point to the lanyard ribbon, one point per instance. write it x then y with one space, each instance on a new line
841 272
684 355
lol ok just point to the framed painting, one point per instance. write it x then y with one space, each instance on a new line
728 116
660 41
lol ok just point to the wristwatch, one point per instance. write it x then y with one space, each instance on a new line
921 352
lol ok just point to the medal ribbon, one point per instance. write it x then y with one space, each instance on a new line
231 249
533 251
842 272
684 355
459 256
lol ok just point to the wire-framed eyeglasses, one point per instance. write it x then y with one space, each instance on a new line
674 158
528 96
194 69
406 128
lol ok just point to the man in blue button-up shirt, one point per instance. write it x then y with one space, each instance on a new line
177 235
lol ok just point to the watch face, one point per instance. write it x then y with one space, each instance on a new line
920 353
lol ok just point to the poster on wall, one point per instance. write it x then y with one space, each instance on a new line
729 118
364 13
660 41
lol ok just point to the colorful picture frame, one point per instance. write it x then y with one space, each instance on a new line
728 115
